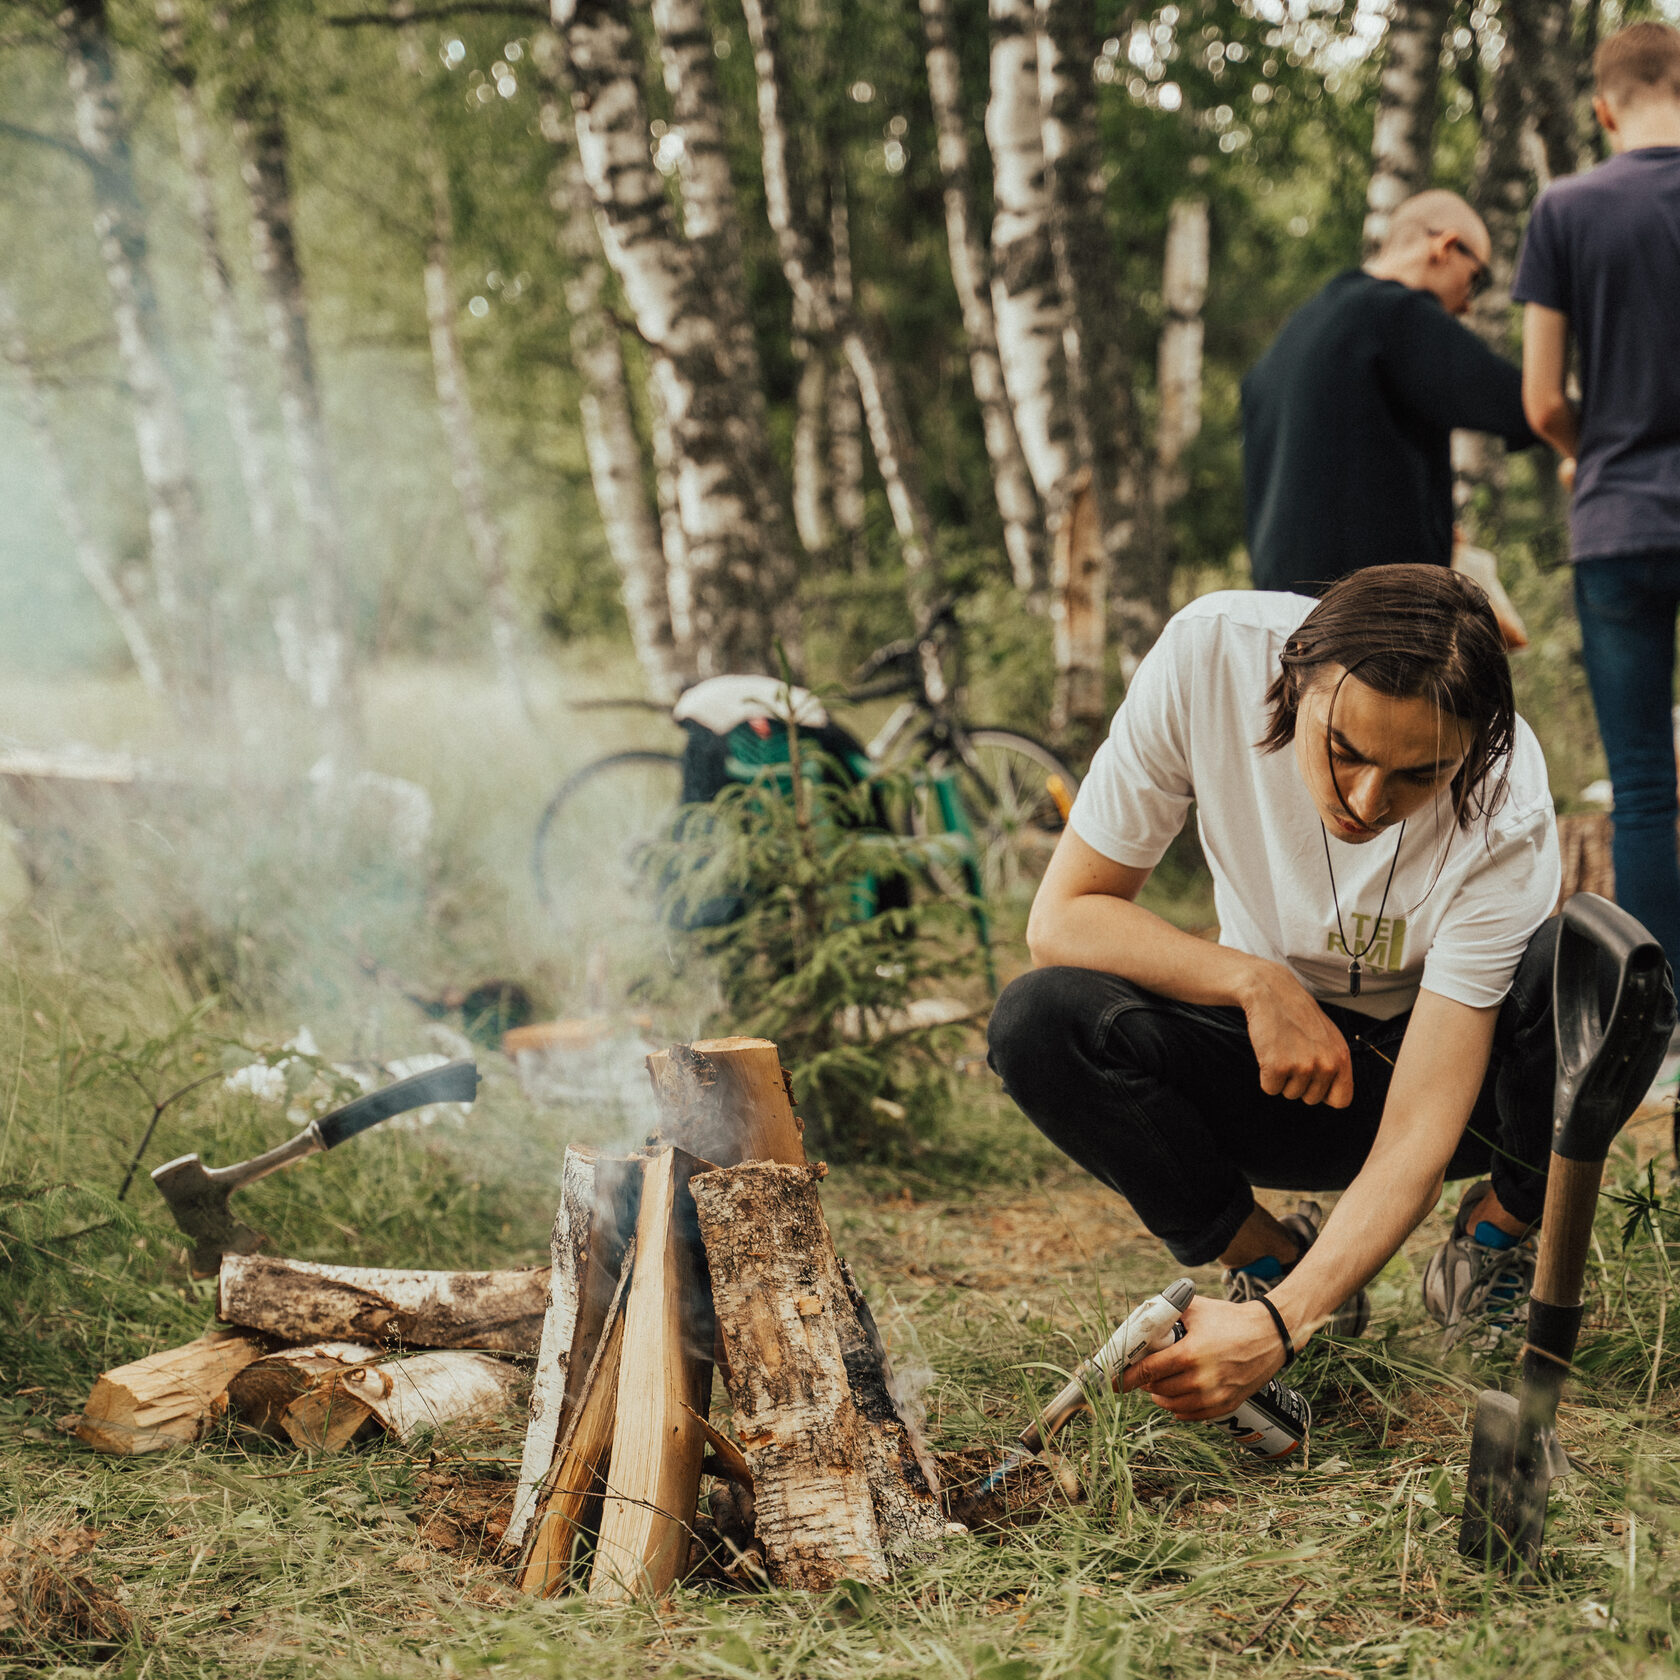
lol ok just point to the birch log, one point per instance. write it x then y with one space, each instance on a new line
1403 134
301 1301
618 469
726 1100
903 1480
572 1488
174 508
1017 502
92 560
294 1395
664 1390
719 458
597 1212
431 1390
166 1399
781 1302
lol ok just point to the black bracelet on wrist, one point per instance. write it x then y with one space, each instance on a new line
1282 1330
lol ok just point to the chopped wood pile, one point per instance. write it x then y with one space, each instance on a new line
709 1249
322 1356
704 1253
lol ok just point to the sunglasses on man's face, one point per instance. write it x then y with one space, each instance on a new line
1483 277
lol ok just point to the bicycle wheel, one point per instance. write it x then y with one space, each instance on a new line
591 840
1014 792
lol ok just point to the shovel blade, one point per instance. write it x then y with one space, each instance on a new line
1505 1493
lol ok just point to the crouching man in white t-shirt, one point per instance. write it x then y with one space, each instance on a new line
1377 1014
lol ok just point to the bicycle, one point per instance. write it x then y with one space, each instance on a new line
1000 795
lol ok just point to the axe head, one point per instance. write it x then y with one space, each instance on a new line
199 1205
1512 1468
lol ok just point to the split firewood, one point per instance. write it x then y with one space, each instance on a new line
293 1394
598 1200
903 1480
429 1390
300 1301
664 1388
726 1100
781 1302
166 1399
568 1500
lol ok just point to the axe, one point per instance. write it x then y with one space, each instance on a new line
198 1195
1612 1014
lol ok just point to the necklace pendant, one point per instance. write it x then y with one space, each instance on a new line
1353 978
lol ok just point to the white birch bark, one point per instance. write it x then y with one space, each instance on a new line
1023 535
92 560
179 553
1403 135
260 128
727 571
216 285
460 431
812 280
1539 33
845 411
1026 302
1184 283
617 468
712 227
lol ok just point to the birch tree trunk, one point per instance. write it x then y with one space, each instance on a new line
179 555
260 128
712 227
811 274
460 431
1026 303
1539 33
730 566
1178 384
618 469
92 560
1023 531
1403 137
1500 193
216 285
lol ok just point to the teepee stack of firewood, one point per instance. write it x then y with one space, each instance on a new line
706 1249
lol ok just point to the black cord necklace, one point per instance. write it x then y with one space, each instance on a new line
1354 969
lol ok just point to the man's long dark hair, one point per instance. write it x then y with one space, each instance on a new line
1410 632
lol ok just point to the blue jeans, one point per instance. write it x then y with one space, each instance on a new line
1627 606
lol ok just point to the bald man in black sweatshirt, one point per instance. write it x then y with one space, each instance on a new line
1348 417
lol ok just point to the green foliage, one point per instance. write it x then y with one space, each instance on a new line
806 959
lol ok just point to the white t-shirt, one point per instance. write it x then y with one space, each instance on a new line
1464 903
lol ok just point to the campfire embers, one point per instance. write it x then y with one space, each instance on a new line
663 1262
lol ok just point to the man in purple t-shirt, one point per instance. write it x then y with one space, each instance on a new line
1601 265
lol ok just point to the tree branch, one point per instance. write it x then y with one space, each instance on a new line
56 142
402 17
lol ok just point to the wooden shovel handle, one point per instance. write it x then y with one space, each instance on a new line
1566 1230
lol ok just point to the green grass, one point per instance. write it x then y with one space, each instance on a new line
991 1266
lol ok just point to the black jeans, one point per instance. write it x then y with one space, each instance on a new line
1162 1100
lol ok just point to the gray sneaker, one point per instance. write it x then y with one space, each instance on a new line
1349 1319
1479 1295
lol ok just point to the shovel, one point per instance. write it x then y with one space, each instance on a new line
1612 1016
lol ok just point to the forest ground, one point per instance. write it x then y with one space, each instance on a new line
992 1267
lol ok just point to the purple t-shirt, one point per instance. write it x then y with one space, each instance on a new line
1603 248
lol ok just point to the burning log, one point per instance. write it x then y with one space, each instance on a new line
168 1398
780 1301
664 1388
300 1301
598 1202
726 1100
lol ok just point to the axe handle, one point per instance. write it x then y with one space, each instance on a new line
453 1082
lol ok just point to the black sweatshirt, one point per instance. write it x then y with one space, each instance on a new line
1347 421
